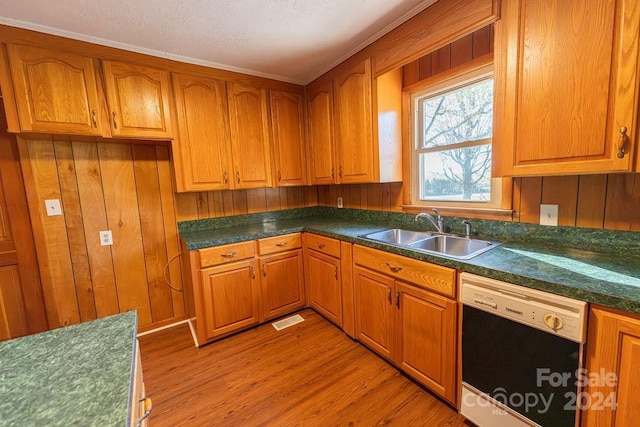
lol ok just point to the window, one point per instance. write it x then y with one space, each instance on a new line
453 127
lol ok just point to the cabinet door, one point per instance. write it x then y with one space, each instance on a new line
426 327
354 127
203 123
138 99
613 368
249 136
324 285
566 86
282 283
287 118
322 168
375 312
55 91
231 298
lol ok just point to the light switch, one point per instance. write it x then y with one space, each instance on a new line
53 207
549 215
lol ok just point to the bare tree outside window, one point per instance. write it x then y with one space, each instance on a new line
454 144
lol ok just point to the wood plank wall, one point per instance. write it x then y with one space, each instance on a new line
127 188
381 197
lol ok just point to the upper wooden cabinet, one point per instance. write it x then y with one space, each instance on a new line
202 152
354 125
566 87
248 116
138 99
55 91
287 130
322 169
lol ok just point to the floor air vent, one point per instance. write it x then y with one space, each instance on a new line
289 321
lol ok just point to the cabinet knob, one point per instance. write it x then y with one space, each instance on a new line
115 123
623 140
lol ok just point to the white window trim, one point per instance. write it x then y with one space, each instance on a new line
459 80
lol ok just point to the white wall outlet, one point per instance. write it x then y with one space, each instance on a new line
549 215
106 239
53 207
339 202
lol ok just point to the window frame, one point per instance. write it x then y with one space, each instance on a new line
438 84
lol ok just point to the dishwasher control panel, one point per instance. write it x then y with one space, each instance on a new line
551 313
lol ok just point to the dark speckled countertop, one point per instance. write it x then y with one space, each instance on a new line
593 265
77 375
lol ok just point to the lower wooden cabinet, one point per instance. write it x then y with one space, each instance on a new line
611 397
408 324
140 404
282 283
232 287
231 298
324 277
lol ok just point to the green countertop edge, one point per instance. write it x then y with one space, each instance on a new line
530 254
75 375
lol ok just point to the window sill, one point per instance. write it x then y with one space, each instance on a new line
482 213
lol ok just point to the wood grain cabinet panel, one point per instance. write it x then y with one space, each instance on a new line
287 130
613 363
322 168
248 115
203 149
282 281
55 91
324 286
138 98
354 125
566 87
230 298
426 338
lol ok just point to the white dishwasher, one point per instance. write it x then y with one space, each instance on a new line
522 353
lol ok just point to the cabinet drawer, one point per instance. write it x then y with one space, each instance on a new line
423 274
275 244
227 253
326 245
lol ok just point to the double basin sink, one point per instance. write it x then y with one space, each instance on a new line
433 243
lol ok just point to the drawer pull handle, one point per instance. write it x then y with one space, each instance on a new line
115 123
148 406
389 294
253 272
93 118
281 244
335 272
321 245
398 299
226 177
229 255
264 269
238 176
394 268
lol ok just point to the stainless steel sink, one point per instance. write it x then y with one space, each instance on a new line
438 244
398 236
453 246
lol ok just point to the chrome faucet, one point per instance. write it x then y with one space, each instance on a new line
437 222
467 228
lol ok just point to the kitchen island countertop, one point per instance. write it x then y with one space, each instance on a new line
75 375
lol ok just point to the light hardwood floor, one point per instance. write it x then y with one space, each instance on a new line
310 374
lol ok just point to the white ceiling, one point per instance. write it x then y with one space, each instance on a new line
290 40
